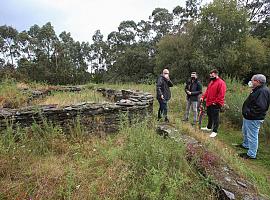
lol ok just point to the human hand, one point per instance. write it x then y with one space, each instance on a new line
201 99
166 76
189 93
162 97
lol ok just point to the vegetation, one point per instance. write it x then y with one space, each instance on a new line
43 162
11 96
69 98
46 163
231 35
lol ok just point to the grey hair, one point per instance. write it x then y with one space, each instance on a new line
259 77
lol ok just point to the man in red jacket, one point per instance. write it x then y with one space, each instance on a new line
214 96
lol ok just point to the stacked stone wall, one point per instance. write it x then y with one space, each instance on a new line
95 117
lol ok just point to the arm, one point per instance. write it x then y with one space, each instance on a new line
159 85
199 90
186 87
170 84
221 94
261 104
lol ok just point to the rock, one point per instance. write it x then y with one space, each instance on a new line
98 117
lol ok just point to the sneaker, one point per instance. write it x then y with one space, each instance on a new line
206 129
184 120
245 156
166 120
213 134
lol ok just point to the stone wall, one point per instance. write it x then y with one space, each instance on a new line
96 117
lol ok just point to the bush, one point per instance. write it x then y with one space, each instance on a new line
235 97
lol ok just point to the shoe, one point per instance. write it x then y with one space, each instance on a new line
213 134
206 129
184 120
166 120
240 146
245 156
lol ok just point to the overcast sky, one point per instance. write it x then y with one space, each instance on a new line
79 17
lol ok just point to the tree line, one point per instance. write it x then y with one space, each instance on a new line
230 35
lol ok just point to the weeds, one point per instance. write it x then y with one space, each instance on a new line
11 96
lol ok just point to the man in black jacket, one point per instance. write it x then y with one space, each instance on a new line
254 110
193 89
163 93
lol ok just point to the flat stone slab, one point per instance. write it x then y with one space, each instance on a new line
97 117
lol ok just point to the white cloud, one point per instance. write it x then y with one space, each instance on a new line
83 17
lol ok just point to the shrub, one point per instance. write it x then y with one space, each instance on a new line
235 97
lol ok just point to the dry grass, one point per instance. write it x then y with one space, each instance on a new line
70 98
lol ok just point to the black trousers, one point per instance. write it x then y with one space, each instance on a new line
213 117
163 108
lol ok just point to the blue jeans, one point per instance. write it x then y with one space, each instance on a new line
250 130
163 108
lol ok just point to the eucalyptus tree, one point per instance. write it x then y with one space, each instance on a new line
144 31
182 15
128 31
162 22
99 51
24 45
9 44
258 10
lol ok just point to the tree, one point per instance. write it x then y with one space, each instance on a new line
258 10
8 43
127 31
162 22
144 31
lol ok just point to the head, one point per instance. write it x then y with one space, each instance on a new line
165 72
257 80
193 75
213 74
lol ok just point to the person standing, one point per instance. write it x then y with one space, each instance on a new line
214 96
193 89
254 110
163 94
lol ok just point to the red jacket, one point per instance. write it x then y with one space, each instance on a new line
215 92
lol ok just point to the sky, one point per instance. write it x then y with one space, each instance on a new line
79 17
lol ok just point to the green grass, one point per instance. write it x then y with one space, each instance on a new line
46 163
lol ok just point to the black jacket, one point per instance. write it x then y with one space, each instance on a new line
163 88
195 88
257 103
